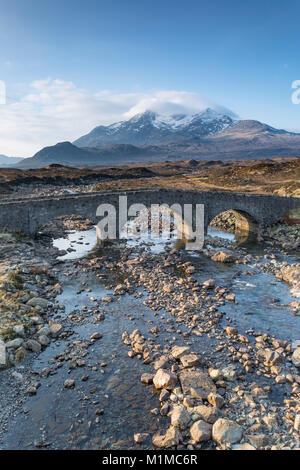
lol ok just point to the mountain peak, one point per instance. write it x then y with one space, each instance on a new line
151 128
148 114
151 136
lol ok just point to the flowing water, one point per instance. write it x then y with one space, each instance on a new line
78 243
66 419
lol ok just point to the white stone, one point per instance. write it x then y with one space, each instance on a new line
164 379
226 431
180 418
179 351
201 431
296 357
2 353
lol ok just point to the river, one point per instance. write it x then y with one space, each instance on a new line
60 419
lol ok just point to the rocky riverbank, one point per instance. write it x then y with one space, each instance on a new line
282 236
209 383
27 290
216 398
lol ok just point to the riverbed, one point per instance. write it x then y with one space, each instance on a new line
109 381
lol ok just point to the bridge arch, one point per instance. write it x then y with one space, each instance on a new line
243 224
27 215
156 220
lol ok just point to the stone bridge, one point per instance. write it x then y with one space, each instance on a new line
29 215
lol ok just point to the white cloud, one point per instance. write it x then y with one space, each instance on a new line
170 102
55 110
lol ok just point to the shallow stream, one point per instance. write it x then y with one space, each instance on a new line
66 419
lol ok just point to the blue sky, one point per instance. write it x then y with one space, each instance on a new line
60 58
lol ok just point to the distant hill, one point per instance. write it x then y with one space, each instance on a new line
66 153
7 161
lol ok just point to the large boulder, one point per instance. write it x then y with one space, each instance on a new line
38 302
201 431
33 346
43 340
224 257
259 440
180 417
55 329
209 414
296 357
226 431
196 383
289 274
147 379
171 438
271 357
164 379
15 343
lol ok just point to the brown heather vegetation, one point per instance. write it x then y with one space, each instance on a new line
269 177
279 176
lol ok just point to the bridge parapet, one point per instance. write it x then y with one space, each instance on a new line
28 215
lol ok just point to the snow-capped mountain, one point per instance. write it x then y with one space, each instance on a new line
150 128
153 137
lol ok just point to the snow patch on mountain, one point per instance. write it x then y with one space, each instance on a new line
150 127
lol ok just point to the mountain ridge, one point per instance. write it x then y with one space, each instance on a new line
204 136
153 128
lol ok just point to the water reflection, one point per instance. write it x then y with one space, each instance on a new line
214 232
78 244
240 237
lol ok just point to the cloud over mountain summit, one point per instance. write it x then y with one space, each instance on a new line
49 111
